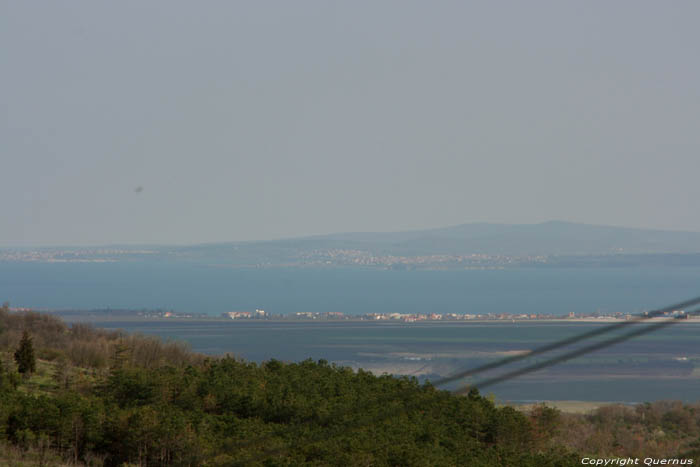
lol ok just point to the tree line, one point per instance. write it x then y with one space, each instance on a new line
99 397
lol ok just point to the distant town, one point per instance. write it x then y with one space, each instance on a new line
466 246
349 257
264 257
334 257
262 315
414 317
72 255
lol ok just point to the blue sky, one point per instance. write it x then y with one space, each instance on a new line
258 120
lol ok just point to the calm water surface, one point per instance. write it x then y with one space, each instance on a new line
213 290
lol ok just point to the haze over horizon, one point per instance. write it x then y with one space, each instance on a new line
554 237
176 123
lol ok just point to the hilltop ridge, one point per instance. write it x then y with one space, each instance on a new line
474 245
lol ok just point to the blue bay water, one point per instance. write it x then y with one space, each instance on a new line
213 290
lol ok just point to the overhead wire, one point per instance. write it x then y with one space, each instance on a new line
572 354
567 341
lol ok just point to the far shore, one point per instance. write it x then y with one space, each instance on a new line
90 316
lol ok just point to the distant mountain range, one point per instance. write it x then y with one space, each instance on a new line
463 246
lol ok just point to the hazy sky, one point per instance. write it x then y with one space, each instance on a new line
168 121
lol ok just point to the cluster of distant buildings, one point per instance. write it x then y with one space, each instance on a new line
416 317
260 314
257 314
349 257
70 255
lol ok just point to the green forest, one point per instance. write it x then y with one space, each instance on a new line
77 395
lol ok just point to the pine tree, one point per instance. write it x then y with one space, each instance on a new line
24 355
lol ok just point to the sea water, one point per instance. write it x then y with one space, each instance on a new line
212 290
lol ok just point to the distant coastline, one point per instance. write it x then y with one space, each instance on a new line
464 247
337 317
